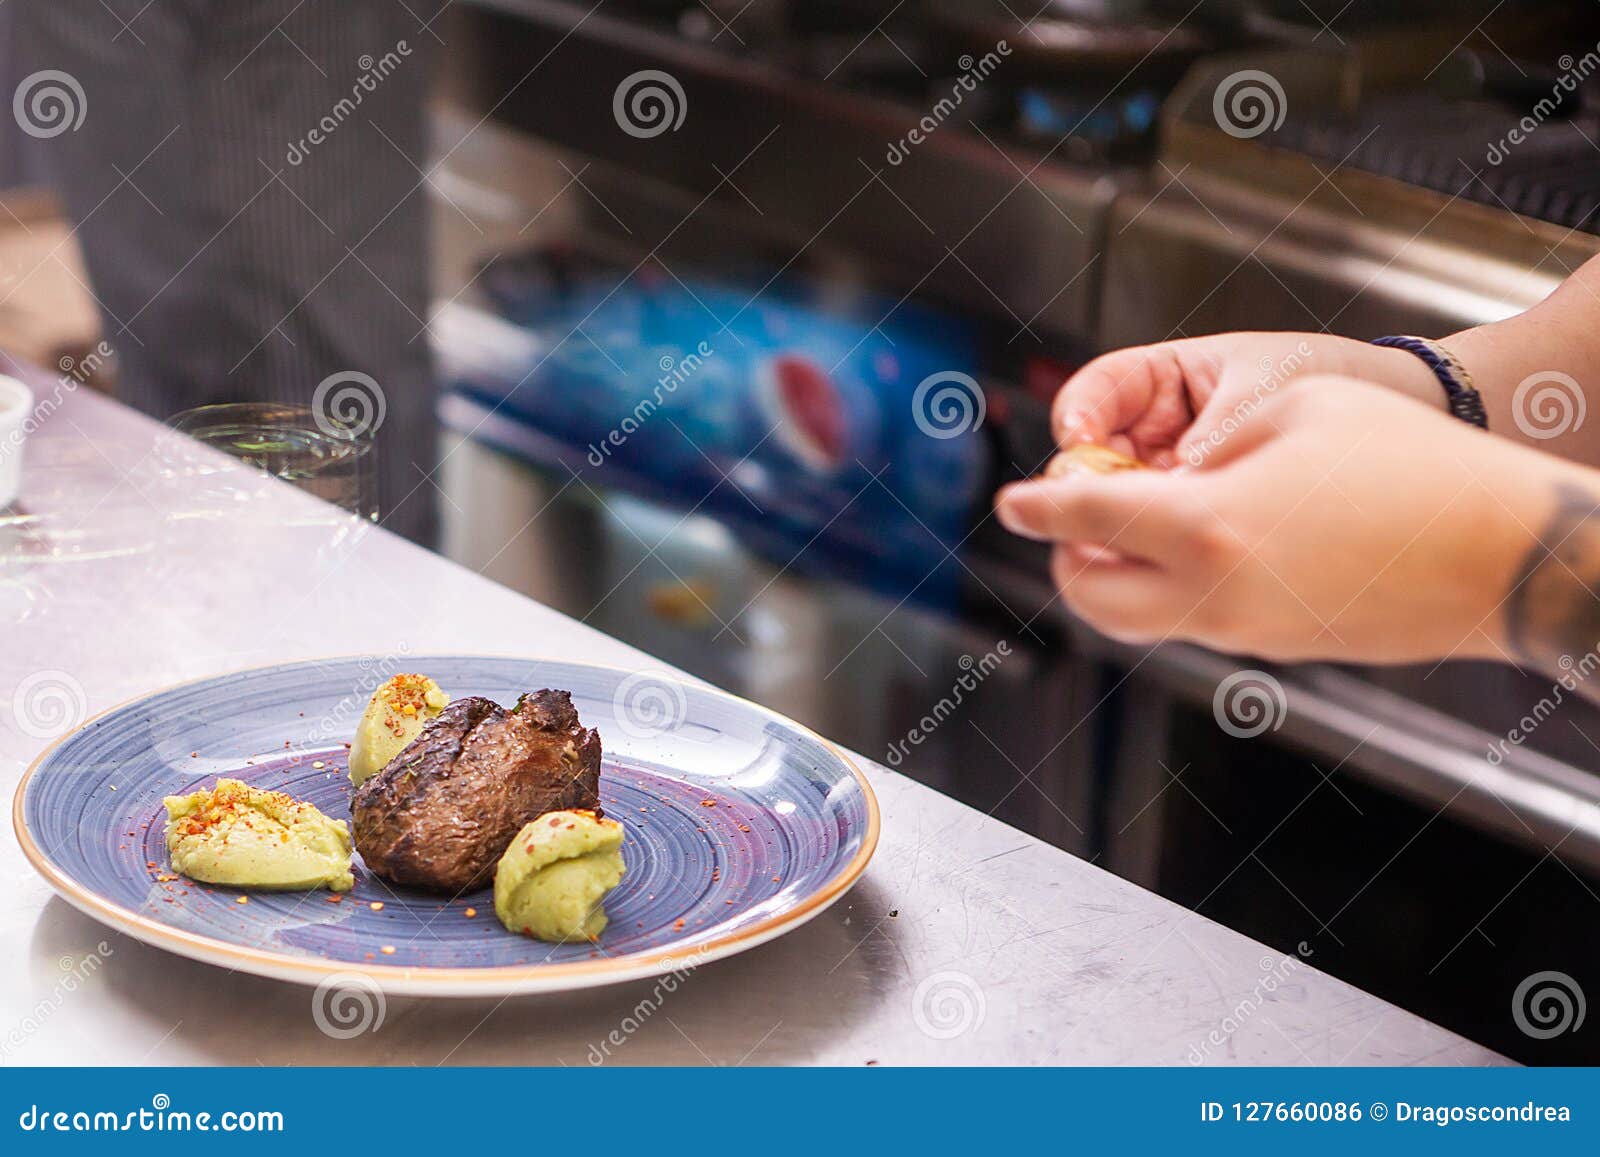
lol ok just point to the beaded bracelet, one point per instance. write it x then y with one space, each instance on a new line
1464 401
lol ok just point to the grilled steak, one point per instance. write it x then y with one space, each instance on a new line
442 812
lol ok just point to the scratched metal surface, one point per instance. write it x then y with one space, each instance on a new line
965 942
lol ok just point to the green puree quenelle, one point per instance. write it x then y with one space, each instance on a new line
250 838
395 715
552 878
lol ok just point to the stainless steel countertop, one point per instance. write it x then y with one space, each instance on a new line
965 942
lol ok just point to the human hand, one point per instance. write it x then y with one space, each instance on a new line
1341 521
1173 402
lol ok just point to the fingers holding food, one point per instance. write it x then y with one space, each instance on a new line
1148 394
1103 500
1087 459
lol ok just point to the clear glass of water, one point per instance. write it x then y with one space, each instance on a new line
310 450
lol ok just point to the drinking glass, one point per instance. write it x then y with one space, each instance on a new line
312 451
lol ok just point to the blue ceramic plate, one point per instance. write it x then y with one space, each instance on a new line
740 826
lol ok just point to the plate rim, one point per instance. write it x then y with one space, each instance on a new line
452 981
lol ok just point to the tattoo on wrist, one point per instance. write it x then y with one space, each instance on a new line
1553 611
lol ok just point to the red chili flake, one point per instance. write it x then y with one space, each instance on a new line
334 899
556 823
708 803
678 923
744 827
777 879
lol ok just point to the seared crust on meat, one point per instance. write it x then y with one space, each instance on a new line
440 815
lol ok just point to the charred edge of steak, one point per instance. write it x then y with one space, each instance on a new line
433 752
552 710
440 814
549 710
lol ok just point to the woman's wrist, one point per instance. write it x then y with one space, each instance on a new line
1405 373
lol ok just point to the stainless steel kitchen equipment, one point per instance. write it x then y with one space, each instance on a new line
1067 224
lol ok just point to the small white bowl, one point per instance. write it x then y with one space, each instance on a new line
16 404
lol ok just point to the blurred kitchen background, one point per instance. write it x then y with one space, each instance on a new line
743 315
